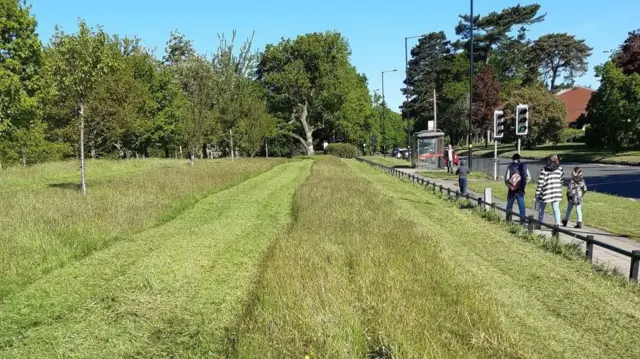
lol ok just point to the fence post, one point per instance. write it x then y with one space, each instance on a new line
448 192
509 216
479 202
530 224
555 232
590 248
457 195
440 188
635 266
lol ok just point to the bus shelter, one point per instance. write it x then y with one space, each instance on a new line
427 148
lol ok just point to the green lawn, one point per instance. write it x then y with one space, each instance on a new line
168 291
389 270
609 213
46 223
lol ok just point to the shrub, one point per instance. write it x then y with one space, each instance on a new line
343 150
572 135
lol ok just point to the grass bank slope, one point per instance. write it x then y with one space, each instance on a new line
169 291
380 268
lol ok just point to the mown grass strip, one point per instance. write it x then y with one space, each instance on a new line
168 292
47 223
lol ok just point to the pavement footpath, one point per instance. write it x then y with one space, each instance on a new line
609 258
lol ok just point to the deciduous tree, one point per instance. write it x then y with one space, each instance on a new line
628 56
78 63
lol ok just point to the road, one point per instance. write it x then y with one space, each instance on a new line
623 181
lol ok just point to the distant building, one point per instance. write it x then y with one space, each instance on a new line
575 100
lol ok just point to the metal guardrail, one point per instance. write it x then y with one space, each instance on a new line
590 241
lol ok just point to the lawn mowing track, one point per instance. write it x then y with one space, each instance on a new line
557 307
169 291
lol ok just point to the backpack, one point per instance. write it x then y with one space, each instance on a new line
514 181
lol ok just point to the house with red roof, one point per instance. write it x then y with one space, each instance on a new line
575 100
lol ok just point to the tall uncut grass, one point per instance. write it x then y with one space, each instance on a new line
377 268
46 222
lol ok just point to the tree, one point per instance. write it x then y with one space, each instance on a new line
20 63
493 29
302 77
199 86
486 95
78 63
547 116
628 56
613 111
559 54
178 48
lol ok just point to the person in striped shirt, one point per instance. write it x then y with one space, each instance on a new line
550 188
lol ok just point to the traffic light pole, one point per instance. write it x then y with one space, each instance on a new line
495 159
518 144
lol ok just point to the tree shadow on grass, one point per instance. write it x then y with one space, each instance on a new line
66 185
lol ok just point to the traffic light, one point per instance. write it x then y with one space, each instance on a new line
498 124
522 120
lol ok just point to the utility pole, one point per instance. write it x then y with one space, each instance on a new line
231 139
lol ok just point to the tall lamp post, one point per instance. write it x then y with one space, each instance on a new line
384 104
470 79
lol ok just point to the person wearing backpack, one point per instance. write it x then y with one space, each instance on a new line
516 179
550 188
575 195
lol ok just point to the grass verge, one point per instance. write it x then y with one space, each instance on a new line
47 223
603 211
442 174
171 291
389 161
374 267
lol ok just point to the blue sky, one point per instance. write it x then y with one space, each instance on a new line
375 29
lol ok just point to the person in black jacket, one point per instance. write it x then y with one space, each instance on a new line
516 179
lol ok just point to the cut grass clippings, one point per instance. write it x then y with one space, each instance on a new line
375 267
169 291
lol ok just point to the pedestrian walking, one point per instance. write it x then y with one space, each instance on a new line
462 173
550 188
449 159
575 195
516 179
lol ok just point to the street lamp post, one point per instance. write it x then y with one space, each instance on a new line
384 104
470 80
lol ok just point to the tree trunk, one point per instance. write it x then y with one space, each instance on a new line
24 159
231 139
554 73
166 151
82 164
180 151
192 159
307 131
